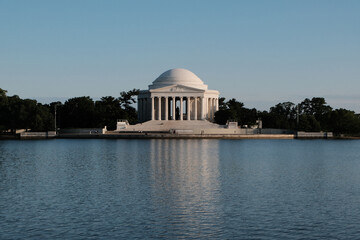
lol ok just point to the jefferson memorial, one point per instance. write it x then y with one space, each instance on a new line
179 105
177 95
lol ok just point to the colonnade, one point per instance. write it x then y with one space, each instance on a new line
177 108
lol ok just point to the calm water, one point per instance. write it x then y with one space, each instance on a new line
194 189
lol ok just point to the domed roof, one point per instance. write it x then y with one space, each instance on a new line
178 76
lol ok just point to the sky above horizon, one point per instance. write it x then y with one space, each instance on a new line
259 52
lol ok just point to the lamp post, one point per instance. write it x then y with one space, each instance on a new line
55 119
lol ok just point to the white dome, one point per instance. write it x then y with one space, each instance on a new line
178 76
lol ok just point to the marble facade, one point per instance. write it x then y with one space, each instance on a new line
177 94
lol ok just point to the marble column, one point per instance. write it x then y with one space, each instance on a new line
213 111
212 108
202 108
173 109
188 108
152 109
159 108
207 108
166 108
195 109
181 108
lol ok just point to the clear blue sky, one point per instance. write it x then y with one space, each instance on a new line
259 52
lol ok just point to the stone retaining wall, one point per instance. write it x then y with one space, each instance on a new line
37 135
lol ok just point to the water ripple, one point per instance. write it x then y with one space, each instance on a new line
187 189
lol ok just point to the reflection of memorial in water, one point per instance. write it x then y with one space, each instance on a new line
185 183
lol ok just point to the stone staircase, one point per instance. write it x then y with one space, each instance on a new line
156 125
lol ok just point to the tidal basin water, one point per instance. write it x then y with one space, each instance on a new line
187 189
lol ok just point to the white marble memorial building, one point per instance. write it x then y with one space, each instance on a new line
177 94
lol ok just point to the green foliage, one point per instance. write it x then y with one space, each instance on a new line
126 99
310 115
344 121
108 110
3 109
82 112
3 97
222 116
222 104
314 114
78 112
309 123
17 113
233 110
282 116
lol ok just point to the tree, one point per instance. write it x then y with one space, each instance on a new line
234 110
222 104
317 108
282 115
126 99
3 97
222 116
47 118
3 109
16 114
314 114
78 112
345 121
249 116
25 114
308 123
228 111
108 110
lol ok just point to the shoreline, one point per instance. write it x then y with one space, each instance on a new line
179 136
146 135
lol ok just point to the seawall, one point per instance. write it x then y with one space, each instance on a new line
178 136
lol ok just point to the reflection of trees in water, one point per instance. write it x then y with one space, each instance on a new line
185 179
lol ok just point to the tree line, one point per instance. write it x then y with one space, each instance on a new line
310 115
83 112
77 112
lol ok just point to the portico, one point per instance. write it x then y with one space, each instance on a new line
177 94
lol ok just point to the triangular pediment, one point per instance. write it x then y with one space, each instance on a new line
177 88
